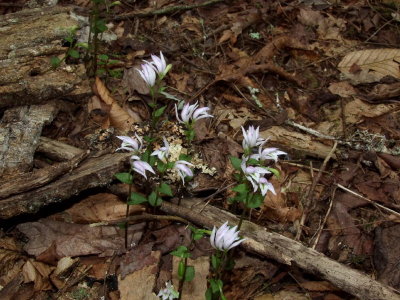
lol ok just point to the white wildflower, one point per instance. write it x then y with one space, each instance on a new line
183 170
225 238
140 166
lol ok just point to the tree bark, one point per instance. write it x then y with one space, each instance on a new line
28 40
285 250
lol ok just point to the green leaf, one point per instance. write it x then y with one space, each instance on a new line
185 157
136 198
215 262
208 294
103 57
82 45
241 188
101 26
73 53
253 161
255 201
154 200
170 164
165 189
171 97
161 166
124 177
159 111
181 252
55 61
69 39
189 275
236 162
216 285
274 171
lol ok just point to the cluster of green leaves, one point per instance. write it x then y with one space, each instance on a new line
244 190
215 291
89 50
155 197
185 272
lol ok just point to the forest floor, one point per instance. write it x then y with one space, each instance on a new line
321 81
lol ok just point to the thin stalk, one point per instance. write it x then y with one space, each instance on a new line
127 210
182 280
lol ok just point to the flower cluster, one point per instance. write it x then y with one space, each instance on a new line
192 113
150 70
140 166
225 238
168 293
255 174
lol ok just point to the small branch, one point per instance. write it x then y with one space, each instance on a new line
366 199
311 190
166 10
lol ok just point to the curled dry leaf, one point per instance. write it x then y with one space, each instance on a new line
366 66
119 118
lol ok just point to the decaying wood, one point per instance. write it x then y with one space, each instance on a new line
20 129
285 250
28 40
297 141
38 178
56 150
92 173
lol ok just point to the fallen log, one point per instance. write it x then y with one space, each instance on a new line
28 40
285 250
94 172
20 130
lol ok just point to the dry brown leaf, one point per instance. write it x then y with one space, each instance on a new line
38 273
98 208
99 112
328 27
69 239
241 21
130 290
356 110
119 118
342 88
196 288
11 263
192 24
366 66
318 286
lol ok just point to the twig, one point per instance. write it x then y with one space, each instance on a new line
165 11
324 221
366 199
311 191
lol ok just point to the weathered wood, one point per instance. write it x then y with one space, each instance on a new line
56 150
28 40
20 129
92 173
29 181
285 250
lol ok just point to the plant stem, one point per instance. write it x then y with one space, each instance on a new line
127 210
182 280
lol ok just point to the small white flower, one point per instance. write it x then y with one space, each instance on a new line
266 186
140 166
225 238
253 174
130 144
159 63
192 113
148 74
268 153
163 152
168 293
251 138
183 170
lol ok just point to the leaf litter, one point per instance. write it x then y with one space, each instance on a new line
314 62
